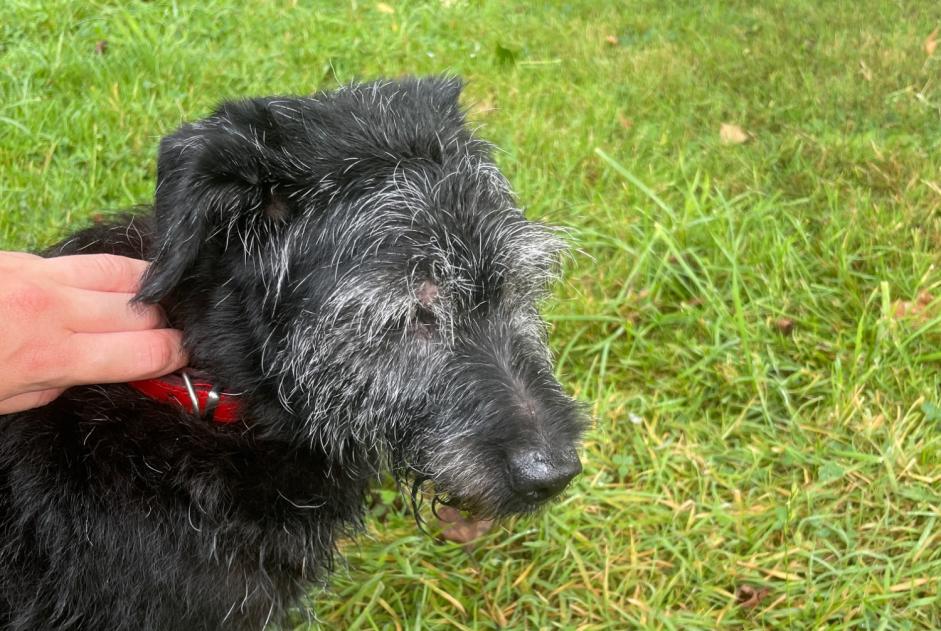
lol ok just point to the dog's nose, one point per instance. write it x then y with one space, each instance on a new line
538 475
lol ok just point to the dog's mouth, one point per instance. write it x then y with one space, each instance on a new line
423 492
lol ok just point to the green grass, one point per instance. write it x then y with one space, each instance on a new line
732 451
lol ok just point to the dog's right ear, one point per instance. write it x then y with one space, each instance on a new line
206 176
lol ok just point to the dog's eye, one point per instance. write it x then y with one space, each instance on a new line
425 317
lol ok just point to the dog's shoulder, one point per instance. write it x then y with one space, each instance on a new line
128 233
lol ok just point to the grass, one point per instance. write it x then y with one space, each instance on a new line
756 326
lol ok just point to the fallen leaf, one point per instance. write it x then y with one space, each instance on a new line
931 42
731 134
624 121
917 308
830 471
750 596
784 325
460 529
612 40
931 411
101 47
505 56
382 7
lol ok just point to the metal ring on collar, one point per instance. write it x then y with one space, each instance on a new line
192 392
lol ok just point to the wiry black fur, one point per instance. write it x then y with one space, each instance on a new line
354 264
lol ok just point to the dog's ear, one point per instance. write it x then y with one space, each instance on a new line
448 89
442 92
207 176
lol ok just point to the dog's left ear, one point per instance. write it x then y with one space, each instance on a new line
445 89
207 177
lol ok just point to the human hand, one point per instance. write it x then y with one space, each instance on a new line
67 321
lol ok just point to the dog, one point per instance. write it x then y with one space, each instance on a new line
358 293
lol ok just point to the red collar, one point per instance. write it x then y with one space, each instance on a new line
195 395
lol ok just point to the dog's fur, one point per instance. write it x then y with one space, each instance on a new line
354 265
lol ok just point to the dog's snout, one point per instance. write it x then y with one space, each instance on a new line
538 475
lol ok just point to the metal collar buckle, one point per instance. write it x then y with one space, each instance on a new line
212 398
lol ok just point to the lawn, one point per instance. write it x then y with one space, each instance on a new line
752 311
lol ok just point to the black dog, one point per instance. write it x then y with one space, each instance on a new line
359 291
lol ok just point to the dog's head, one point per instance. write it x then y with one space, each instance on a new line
356 265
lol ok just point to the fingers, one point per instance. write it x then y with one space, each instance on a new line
67 321
125 356
105 312
98 272
20 256
28 400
